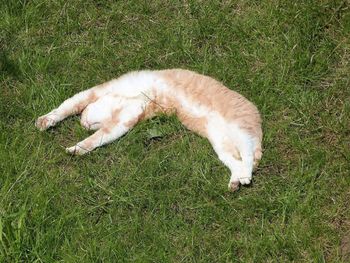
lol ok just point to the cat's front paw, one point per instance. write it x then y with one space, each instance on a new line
77 150
45 122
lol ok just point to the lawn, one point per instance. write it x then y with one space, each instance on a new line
159 194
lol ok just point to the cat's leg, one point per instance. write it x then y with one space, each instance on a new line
240 174
101 137
120 123
72 106
246 151
235 150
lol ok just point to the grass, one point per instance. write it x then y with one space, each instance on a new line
165 198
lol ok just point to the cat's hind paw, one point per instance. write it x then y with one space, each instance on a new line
77 150
45 122
245 181
234 183
233 186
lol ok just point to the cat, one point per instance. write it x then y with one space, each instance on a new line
231 123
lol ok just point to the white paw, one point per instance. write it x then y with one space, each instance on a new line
245 181
45 122
244 176
76 150
234 183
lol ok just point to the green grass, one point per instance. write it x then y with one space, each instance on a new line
165 199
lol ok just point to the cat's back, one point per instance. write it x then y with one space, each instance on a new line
208 92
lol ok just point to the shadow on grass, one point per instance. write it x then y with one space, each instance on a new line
9 67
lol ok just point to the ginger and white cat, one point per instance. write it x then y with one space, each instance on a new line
230 122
